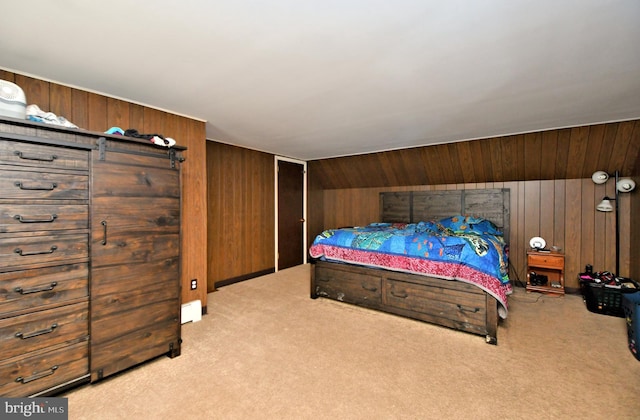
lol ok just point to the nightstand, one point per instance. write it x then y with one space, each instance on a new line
545 272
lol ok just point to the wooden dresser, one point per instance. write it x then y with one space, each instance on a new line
89 256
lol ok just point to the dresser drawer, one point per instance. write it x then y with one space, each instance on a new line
31 218
28 185
43 156
38 330
37 373
17 252
457 306
349 287
26 290
550 261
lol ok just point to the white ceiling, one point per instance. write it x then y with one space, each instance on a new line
325 78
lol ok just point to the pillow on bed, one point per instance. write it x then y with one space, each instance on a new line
470 224
396 225
379 224
428 227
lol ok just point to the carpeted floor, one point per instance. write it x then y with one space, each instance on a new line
268 351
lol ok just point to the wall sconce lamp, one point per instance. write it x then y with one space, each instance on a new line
622 185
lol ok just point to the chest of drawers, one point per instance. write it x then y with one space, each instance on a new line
44 275
89 256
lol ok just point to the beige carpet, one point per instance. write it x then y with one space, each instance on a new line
267 351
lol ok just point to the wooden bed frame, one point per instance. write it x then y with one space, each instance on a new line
451 304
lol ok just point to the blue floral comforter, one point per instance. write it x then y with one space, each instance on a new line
460 248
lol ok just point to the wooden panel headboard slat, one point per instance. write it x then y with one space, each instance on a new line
415 206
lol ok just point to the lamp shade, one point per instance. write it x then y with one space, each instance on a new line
600 177
626 185
605 205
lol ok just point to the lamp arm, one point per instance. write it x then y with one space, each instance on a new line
617 273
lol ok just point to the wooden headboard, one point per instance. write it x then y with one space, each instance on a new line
415 206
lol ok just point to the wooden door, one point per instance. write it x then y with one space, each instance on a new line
290 214
135 260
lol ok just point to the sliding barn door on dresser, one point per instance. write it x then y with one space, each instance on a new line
135 256
44 262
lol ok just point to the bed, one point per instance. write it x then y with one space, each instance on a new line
435 256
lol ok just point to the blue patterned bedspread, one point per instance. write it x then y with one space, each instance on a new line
460 248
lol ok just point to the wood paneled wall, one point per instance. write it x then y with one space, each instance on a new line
98 113
561 211
241 212
569 153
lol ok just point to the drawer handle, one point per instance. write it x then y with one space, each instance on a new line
368 288
463 309
37 375
41 159
104 232
37 333
22 187
21 219
36 289
26 254
403 295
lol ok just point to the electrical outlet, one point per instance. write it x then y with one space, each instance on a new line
194 284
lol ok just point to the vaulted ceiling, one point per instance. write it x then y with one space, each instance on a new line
322 79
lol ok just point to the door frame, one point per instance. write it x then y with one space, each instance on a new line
304 206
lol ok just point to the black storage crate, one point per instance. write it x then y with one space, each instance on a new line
631 307
606 299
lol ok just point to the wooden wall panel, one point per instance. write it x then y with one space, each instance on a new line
60 100
623 146
118 114
559 210
192 134
570 153
465 157
595 144
517 242
95 112
532 147
577 152
532 213
547 195
8 76
136 118
241 212
441 160
633 152
587 225
573 236
548 153
79 110
35 90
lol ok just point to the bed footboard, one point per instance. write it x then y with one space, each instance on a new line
451 304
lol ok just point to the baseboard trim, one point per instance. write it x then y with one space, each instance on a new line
222 283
